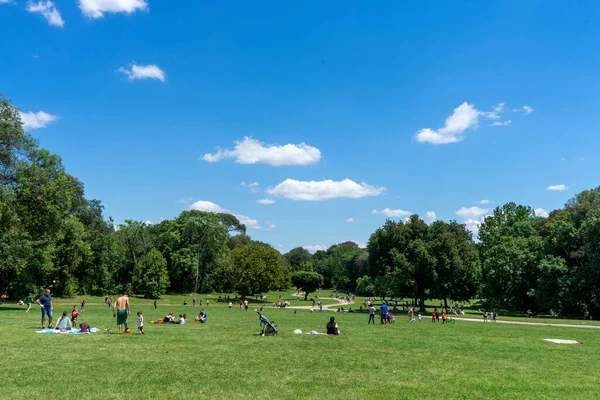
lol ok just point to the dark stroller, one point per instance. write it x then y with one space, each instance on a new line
267 327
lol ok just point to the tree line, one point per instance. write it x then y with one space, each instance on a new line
52 236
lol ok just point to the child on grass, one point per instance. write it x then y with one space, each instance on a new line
140 323
74 315
419 316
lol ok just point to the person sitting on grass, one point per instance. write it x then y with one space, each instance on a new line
332 327
202 317
63 322
182 319
169 318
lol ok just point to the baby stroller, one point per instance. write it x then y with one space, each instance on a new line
267 327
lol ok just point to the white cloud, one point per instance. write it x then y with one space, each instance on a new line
252 151
37 120
315 248
323 190
209 206
558 188
430 217
48 10
265 201
540 212
473 225
148 223
253 186
6 1
464 117
97 8
270 225
249 222
563 158
485 201
471 212
392 213
136 72
350 220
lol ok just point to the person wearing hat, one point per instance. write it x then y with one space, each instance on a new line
122 311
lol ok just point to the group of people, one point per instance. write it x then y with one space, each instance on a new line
492 316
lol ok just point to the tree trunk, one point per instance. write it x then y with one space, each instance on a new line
445 302
305 295
421 298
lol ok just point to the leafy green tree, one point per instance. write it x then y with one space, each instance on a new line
253 268
456 261
296 257
151 278
365 286
307 281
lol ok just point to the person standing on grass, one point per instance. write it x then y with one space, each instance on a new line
384 312
371 314
194 302
74 315
45 301
140 323
122 311
28 300
230 305
155 304
246 304
82 306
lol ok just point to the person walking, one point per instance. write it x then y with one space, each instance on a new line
82 306
155 304
45 301
371 314
28 300
122 311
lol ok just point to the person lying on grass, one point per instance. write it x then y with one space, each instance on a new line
332 327
63 322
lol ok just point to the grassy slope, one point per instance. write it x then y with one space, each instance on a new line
227 359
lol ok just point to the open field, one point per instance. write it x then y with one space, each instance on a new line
227 359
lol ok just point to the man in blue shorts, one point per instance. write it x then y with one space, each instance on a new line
384 312
45 301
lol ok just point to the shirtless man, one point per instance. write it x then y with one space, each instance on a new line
122 311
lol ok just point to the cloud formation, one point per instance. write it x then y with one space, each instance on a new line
323 190
485 201
209 206
37 120
464 117
252 151
540 212
471 212
137 72
266 201
315 248
557 188
97 8
48 10
430 217
393 213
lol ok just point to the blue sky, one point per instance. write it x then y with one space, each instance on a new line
335 108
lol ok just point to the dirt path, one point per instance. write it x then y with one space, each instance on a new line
532 323
326 307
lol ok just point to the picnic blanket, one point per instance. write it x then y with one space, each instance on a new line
563 341
66 332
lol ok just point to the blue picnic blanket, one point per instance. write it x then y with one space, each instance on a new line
68 332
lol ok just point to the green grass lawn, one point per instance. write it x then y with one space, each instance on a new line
227 358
